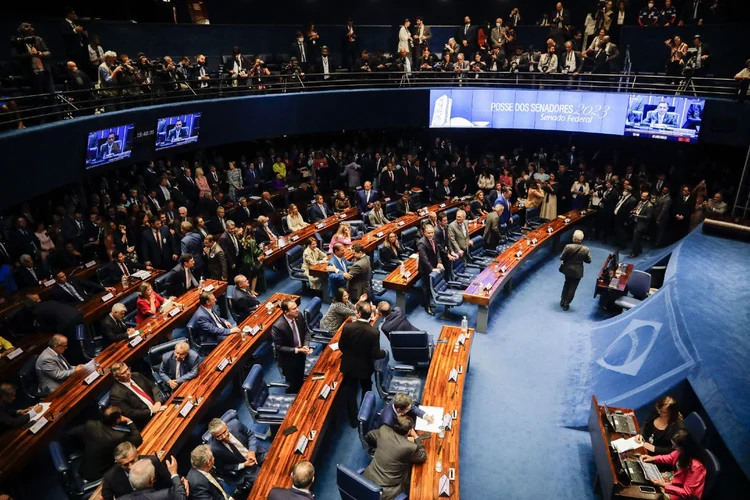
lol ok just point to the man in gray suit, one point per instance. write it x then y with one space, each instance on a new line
492 235
179 366
458 235
573 256
359 274
662 210
396 449
51 367
642 219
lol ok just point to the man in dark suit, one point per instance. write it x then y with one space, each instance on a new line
203 484
402 404
642 219
241 214
360 347
158 246
29 274
394 319
113 327
187 185
624 206
137 396
210 327
684 206
179 365
192 244
366 197
466 37
397 449
492 234
662 215
570 61
318 210
100 438
301 51
116 484
111 147
180 278
289 335
75 39
11 417
303 475
243 302
52 316
388 181
230 243
264 231
359 274
22 240
252 179
237 66
573 256
404 205
429 261
217 224
74 290
606 211
114 271
265 205
237 453
178 132
143 480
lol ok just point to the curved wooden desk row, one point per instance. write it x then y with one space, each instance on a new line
485 287
74 394
167 430
30 345
273 251
438 391
15 301
308 412
95 308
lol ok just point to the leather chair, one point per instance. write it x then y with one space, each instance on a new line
285 225
294 265
154 357
713 469
29 380
451 214
160 283
103 402
409 242
639 285
129 302
67 466
390 210
442 294
228 416
354 486
195 340
411 347
265 407
533 220
390 380
313 315
368 420
696 427
480 257
229 477
90 346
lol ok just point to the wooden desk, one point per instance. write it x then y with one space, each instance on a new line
370 241
612 485
273 251
448 395
15 301
73 395
485 287
166 433
308 412
31 344
609 291
94 309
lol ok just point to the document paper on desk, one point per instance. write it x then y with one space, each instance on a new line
622 445
45 407
437 415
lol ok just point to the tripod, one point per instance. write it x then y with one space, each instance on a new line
687 83
405 80
294 75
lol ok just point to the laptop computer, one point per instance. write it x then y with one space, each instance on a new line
641 472
621 423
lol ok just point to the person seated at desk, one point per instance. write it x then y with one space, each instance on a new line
100 438
303 476
113 326
5 347
343 235
264 232
340 309
74 290
312 256
342 202
114 271
236 451
111 147
180 278
318 210
116 484
394 319
210 327
389 252
689 477
661 116
656 434
11 418
397 448
203 484
294 220
337 266
30 275
376 216
136 395
52 369
51 315
402 404
243 300
142 478
67 256
179 365
149 303
404 206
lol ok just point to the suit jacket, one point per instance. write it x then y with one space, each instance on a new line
216 263
24 277
396 321
562 60
10 419
573 256
188 187
261 236
86 289
361 272
201 488
243 303
112 329
214 225
192 243
104 149
428 258
160 258
388 415
130 404
317 214
288 494
283 340
669 118
232 254
386 185
377 219
56 316
457 239
243 64
188 367
643 220
112 273
116 484
174 492
492 230
362 199
505 217
401 208
99 442
360 347
51 371
392 463
241 215
266 207
177 282
207 328
662 209
227 460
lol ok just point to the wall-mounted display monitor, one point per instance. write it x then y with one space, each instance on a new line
109 145
176 131
664 117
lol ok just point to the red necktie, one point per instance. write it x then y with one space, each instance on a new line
140 392
124 270
433 246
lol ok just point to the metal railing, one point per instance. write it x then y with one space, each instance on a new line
33 109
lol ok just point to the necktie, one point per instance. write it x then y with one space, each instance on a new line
63 361
223 224
302 52
234 449
178 369
213 481
187 279
33 274
141 392
432 242
367 196
234 242
124 270
466 29
158 239
391 175
295 333
216 318
72 291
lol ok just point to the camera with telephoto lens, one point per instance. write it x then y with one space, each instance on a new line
30 40
514 67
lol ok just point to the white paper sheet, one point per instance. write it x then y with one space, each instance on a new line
437 415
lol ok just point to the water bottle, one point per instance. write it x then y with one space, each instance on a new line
464 326
402 269
201 283
124 282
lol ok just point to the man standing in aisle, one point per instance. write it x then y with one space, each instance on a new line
573 256
289 335
642 220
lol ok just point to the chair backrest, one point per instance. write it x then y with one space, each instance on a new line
713 469
294 258
255 388
284 225
366 418
29 381
160 283
228 416
696 427
639 284
532 213
156 353
131 300
437 283
354 486
383 376
103 402
477 249
410 347
408 236
390 208
451 214
312 313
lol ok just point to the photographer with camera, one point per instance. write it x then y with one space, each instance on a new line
34 58
548 61
237 67
127 77
259 70
519 62
166 75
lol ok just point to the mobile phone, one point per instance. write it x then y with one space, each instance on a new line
647 489
289 430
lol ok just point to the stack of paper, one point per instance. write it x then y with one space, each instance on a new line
45 407
437 414
622 445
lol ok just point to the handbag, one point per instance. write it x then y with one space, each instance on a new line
562 262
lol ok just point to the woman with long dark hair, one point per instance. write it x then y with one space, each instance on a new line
689 476
658 431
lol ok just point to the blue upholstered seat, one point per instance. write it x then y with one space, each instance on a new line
265 406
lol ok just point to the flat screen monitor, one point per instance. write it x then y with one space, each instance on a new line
177 131
109 145
667 118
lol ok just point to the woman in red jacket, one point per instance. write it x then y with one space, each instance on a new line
149 302
689 476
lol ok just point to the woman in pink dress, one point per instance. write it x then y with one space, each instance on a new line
343 236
